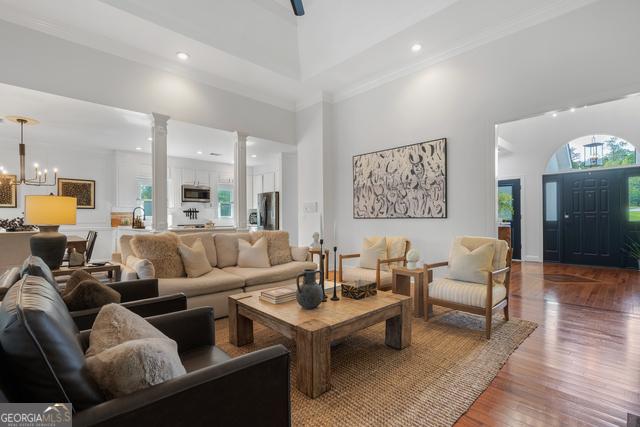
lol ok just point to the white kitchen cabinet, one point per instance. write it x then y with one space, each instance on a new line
126 188
257 187
268 182
202 177
250 202
188 176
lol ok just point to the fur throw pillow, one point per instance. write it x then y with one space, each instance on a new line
162 251
277 245
75 279
89 294
115 325
135 365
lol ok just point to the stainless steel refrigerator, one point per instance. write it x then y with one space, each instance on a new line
269 211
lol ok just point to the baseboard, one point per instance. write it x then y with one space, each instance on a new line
532 258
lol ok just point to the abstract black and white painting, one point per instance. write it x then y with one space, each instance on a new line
403 182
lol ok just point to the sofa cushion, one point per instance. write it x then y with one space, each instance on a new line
255 255
351 274
227 247
194 259
40 343
135 365
162 250
35 266
214 281
466 293
207 241
470 265
116 324
276 273
8 279
277 245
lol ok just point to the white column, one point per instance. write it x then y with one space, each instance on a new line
159 171
240 180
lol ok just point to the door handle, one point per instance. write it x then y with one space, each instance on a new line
566 216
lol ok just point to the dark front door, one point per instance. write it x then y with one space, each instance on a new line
591 218
509 210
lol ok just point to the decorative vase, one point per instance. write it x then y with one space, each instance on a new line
310 294
76 259
413 256
49 245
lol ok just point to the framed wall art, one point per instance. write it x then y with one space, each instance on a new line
84 190
8 191
402 182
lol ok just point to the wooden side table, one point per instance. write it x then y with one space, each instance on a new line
315 252
401 284
113 270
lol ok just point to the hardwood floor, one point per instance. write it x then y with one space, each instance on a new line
582 365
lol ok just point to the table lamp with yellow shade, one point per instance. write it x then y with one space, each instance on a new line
48 213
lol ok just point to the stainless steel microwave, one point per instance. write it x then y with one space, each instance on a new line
196 193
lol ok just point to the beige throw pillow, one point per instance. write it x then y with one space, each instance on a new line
300 253
143 267
255 256
135 365
277 245
372 252
162 250
207 241
227 247
195 259
470 266
115 325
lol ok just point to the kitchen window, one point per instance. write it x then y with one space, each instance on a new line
145 196
225 201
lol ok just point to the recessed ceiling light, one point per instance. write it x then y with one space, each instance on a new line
573 109
198 152
253 156
150 139
416 47
139 148
182 56
554 114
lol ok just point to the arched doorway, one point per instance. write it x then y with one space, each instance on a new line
591 202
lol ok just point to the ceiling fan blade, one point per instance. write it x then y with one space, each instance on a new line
298 8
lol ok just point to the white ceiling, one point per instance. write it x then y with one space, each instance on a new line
259 49
69 123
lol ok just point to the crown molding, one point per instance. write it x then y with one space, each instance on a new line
533 18
314 99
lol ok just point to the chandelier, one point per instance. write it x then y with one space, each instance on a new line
40 176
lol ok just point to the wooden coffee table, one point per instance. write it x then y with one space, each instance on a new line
315 330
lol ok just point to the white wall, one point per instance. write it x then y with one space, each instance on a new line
531 143
53 65
554 65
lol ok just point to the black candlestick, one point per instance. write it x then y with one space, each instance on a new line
335 273
322 272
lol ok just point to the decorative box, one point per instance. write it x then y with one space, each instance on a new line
358 289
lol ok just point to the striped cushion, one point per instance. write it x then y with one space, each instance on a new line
474 294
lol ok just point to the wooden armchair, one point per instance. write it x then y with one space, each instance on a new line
382 278
477 298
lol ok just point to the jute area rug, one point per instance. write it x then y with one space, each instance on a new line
431 383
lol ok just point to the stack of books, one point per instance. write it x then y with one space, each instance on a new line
279 295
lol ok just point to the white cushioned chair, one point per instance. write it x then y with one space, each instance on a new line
396 254
473 297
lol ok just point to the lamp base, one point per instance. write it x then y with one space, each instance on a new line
49 245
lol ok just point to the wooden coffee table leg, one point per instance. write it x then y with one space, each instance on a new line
240 327
313 344
398 332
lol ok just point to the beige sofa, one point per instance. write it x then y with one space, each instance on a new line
226 278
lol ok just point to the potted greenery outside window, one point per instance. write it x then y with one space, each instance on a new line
633 250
